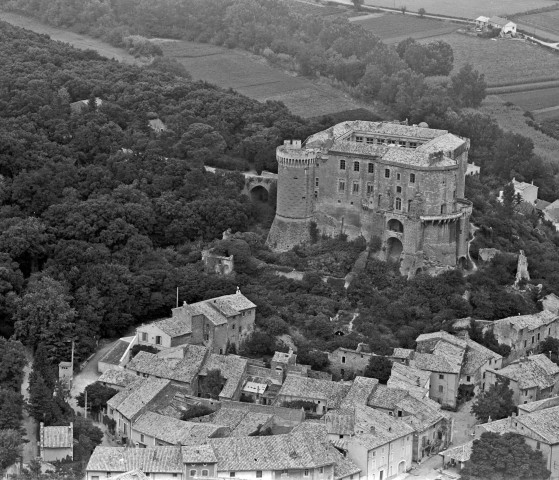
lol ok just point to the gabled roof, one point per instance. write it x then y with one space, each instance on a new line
420 414
115 353
441 335
131 475
241 422
499 21
530 321
386 397
434 363
174 431
536 371
361 390
58 437
409 375
174 326
310 388
181 364
131 401
232 369
375 428
198 454
476 356
481 18
402 353
544 423
461 453
538 405
118 377
148 460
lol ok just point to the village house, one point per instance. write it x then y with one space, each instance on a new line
289 417
531 378
551 213
152 429
220 324
538 405
402 355
117 356
472 168
502 24
482 22
457 456
131 475
551 303
117 378
444 375
539 430
56 443
523 333
344 361
406 377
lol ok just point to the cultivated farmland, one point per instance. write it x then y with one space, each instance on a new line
534 99
392 28
544 25
504 61
255 79
466 9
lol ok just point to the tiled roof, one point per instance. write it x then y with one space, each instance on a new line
441 335
378 428
453 353
421 413
118 377
361 390
531 321
461 453
131 401
447 143
115 353
538 405
340 422
174 326
434 363
198 454
232 369
148 460
274 452
386 397
310 388
58 437
131 475
403 353
543 422
182 368
476 356
289 414
408 374
241 422
173 431
282 357
521 185
530 372
498 426
344 466
499 21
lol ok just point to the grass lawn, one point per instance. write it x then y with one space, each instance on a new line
503 61
465 9
396 26
546 21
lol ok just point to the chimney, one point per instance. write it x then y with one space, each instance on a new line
238 290
372 429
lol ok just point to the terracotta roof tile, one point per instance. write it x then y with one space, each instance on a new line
304 387
58 437
148 460
131 401
118 377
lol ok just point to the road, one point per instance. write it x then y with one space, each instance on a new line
29 423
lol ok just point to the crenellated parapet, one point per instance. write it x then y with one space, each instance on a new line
291 155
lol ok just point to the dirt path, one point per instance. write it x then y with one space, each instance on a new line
77 40
29 423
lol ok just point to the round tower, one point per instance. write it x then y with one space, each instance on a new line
295 201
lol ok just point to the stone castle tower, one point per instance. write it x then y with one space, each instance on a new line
295 202
403 184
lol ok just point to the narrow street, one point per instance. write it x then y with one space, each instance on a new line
30 450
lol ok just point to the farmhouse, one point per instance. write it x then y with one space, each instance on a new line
56 443
404 184
503 24
346 361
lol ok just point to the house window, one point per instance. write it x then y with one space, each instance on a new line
413 144
371 167
233 326
398 203
398 189
144 337
342 372
158 340
343 359
369 188
524 343
399 413
538 337
398 176
538 445
316 185
359 139
205 473
443 209
370 140
386 173
193 473
355 166
321 470
380 141
355 187
409 205
441 377
342 164
258 473
467 378
112 410
402 143
379 199
95 477
306 473
232 474
441 389
142 437
533 339
412 177
341 186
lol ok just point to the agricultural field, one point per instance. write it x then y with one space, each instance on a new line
534 99
470 9
255 79
316 9
504 61
392 27
547 21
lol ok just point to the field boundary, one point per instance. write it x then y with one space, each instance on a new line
526 87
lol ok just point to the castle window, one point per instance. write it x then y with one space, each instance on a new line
158 340
369 188
398 189
454 194
409 205
355 166
443 209
359 139
144 337
316 182
355 187
233 327
386 173
193 473
380 141
258 473
370 140
379 199
398 176
412 177
343 359
413 144
371 167
341 186
398 203
391 142
205 473
402 143
342 164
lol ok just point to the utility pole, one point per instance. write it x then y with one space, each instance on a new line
177 297
72 366
85 410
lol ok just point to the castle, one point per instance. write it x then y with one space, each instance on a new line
403 184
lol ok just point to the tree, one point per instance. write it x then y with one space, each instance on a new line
468 87
403 9
421 12
12 361
496 402
550 347
357 4
379 367
196 411
212 384
508 199
11 409
10 447
88 436
504 457
97 397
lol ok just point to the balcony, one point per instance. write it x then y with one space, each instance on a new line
463 208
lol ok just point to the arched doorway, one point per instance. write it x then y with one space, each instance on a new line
395 226
402 466
259 194
394 249
463 263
